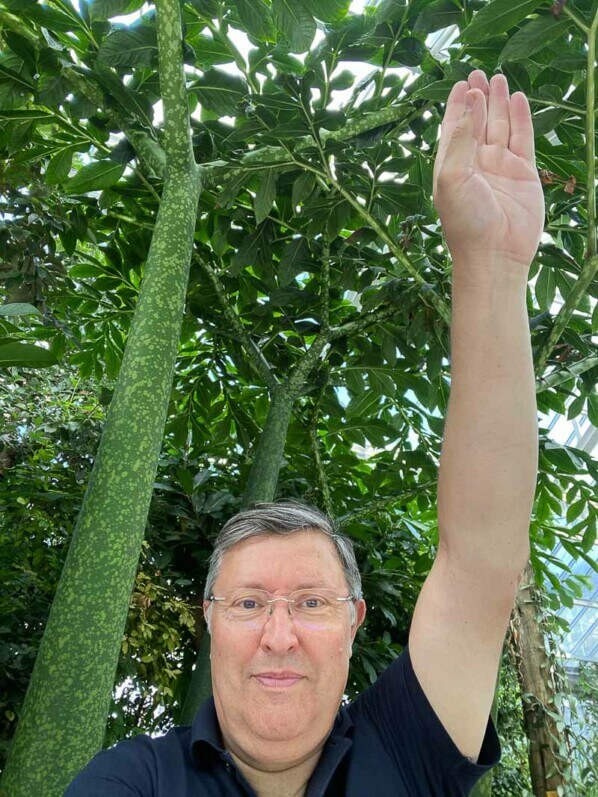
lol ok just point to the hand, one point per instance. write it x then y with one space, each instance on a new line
486 186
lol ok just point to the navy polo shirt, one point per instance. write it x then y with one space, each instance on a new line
388 742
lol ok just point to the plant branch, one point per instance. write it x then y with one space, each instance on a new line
300 372
566 106
315 447
589 268
578 20
384 503
590 137
177 128
325 286
259 363
350 328
565 374
562 318
218 172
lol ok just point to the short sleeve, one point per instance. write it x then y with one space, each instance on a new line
125 770
414 737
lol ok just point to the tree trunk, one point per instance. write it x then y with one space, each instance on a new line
548 748
263 476
62 722
261 487
200 686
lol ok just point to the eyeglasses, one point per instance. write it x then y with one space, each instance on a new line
314 609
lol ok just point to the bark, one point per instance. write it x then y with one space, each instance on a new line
200 687
263 476
63 719
548 747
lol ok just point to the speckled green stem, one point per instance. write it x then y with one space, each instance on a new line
63 719
263 476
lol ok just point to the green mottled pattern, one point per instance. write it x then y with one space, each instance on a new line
261 486
263 476
64 716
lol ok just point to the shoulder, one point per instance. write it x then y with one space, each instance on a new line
397 710
132 766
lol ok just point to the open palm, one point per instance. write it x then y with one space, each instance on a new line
486 186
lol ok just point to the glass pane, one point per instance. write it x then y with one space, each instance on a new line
589 643
582 624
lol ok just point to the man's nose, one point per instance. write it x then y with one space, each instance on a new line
279 632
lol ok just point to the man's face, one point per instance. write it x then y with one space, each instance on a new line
274 727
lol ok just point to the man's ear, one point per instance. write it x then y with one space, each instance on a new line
360 613
207 615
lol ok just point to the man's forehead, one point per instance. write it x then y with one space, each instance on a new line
302 556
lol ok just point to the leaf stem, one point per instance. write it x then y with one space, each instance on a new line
590 137
578 20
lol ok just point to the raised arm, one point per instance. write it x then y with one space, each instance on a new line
491 206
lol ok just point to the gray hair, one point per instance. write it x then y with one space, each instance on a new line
283 517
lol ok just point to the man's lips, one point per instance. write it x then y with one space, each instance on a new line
278 679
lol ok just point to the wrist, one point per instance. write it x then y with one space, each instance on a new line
489 273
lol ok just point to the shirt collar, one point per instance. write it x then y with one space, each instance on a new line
205 730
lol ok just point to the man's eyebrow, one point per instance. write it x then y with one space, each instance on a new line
259 585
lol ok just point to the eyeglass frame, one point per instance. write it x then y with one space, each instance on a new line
286 598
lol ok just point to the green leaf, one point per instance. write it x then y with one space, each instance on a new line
208 52
575 409
409 52
295 22
25 354
294 260
59 166
533 37
95 176
589 537
220 92
52 90
18 308
437 15
593 408
437 91
256 18
302 187
265 196
24 115
575 510
545 288
497 17
106 9
134 47
328 10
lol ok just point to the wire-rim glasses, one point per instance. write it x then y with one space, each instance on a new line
314 609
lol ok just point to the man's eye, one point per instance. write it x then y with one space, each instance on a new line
312 603
247 604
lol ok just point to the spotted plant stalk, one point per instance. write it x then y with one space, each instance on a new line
63 719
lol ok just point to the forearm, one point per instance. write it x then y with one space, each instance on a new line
489 458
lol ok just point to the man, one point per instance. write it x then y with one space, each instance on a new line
283 596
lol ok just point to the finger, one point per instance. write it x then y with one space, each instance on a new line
521 141
478 80
455 106
499 126
461 149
